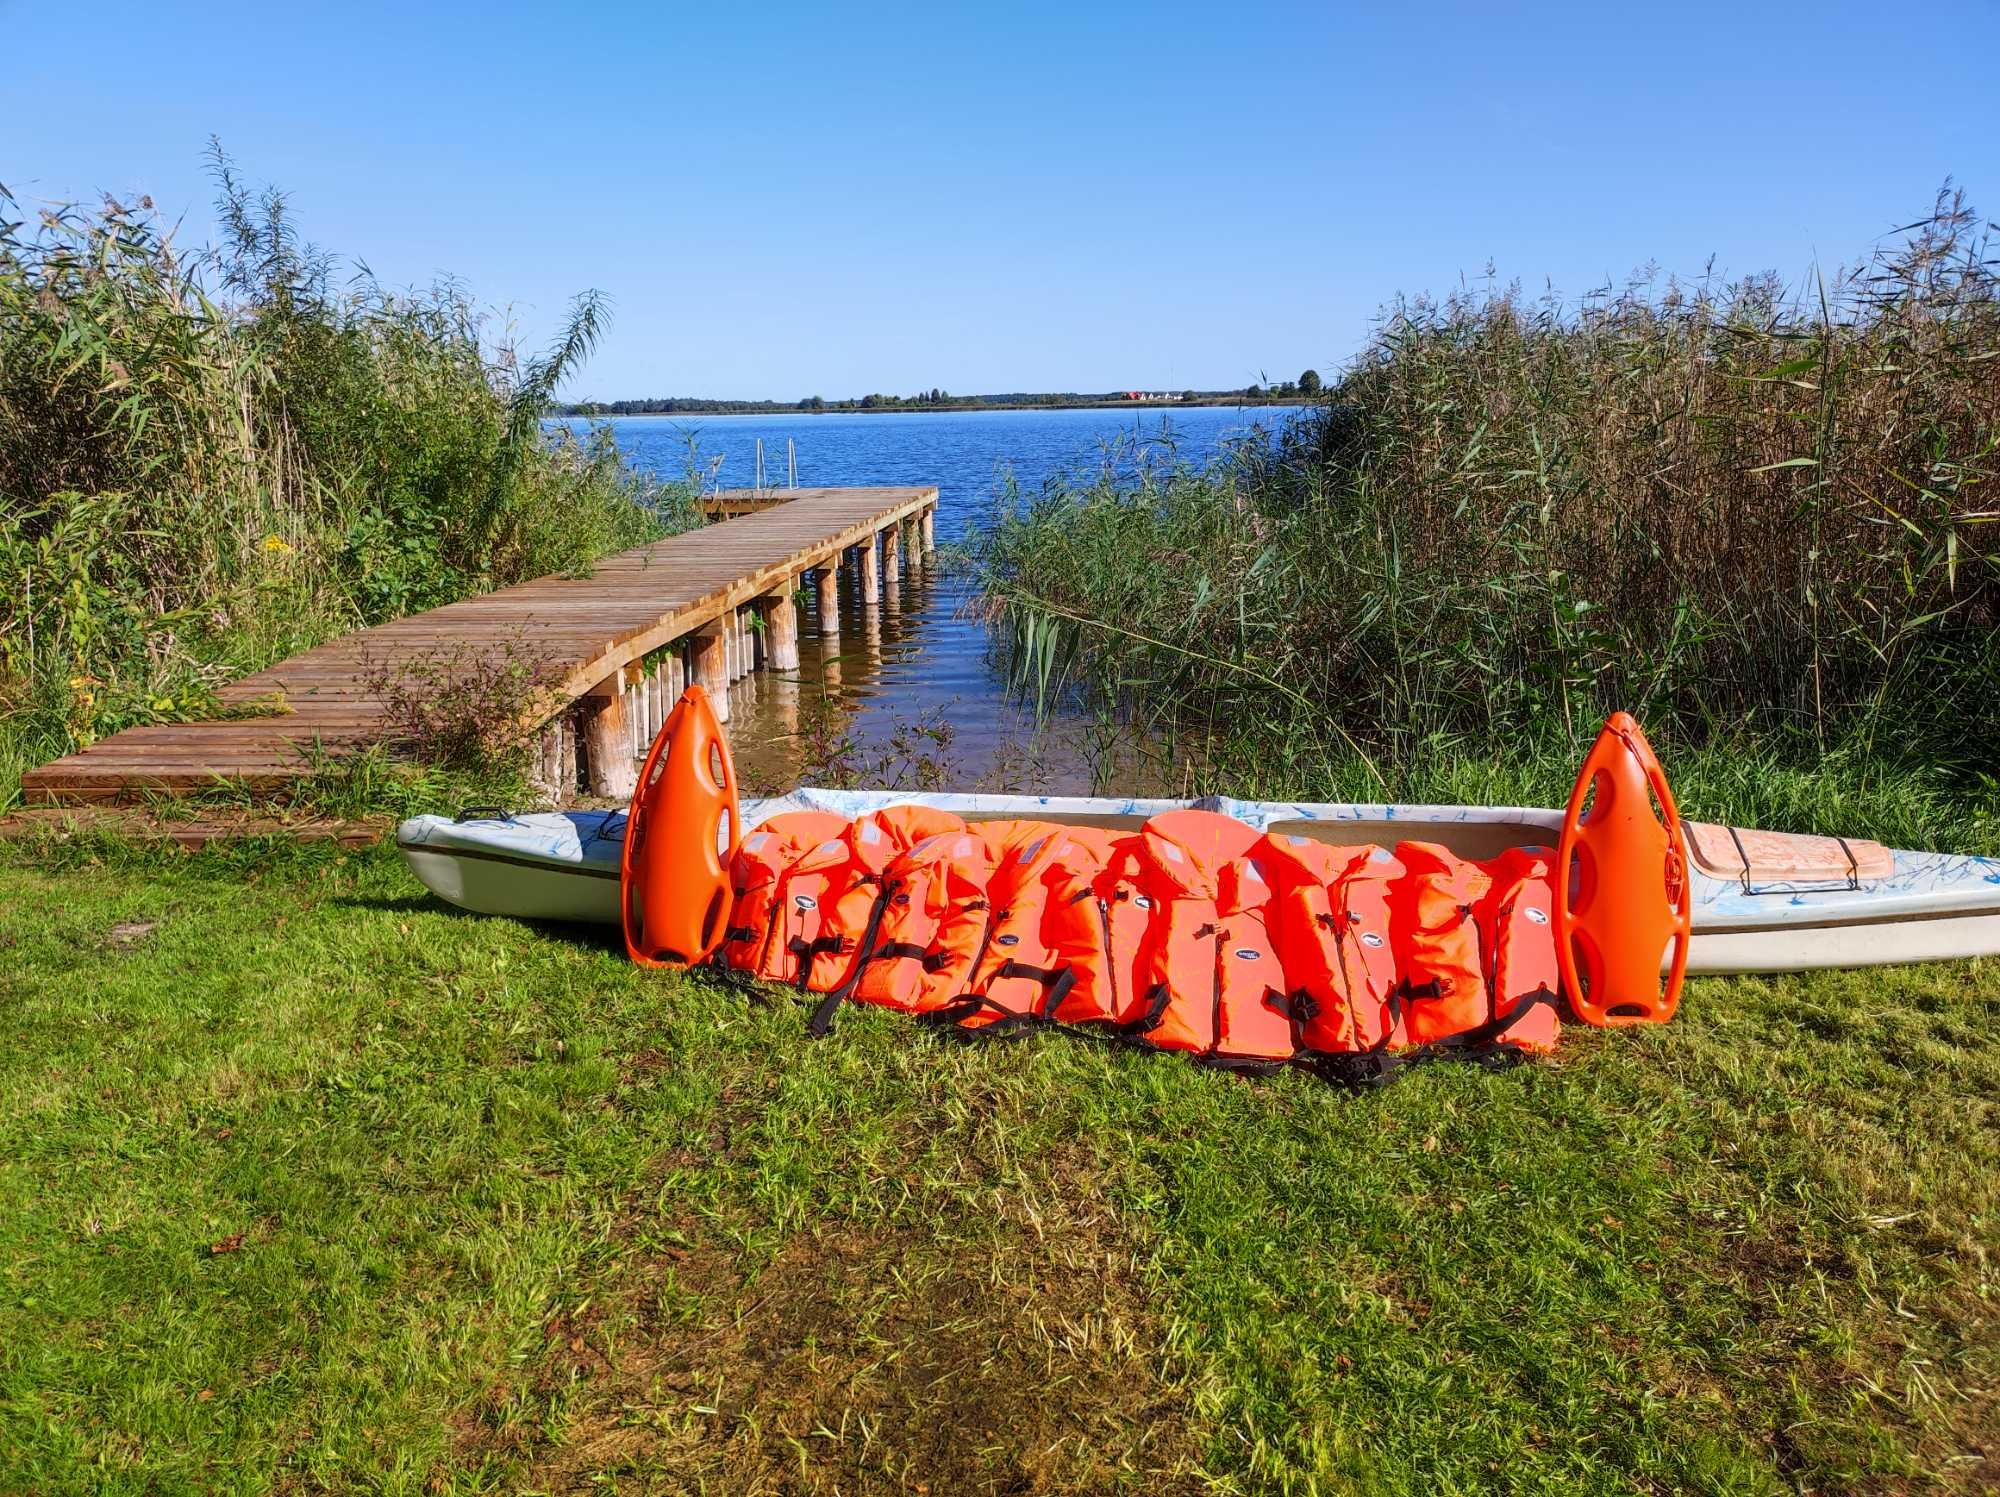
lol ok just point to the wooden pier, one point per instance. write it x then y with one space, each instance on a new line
612 651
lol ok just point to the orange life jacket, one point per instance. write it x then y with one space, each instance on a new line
1437 943
1517 922
764 919
1331 917
1096 926
1018 975
932 926
1256 1022
1212 979
845 878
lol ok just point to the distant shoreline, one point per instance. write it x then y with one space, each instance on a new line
592 414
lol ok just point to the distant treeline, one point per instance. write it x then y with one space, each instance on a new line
1306 387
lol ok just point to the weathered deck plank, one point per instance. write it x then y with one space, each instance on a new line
578 630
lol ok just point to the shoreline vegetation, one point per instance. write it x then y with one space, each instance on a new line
211 460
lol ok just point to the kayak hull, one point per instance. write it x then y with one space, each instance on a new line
1888 908
546 866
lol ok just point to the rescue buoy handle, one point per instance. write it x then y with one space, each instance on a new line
1621 885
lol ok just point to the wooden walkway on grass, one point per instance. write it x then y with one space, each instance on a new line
612 651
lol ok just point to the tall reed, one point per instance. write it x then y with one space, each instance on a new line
210 460
1737 510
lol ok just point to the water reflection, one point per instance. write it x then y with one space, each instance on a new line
907 691
849 713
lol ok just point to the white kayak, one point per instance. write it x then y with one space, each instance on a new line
1762 901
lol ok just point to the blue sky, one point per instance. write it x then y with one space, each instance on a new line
787 200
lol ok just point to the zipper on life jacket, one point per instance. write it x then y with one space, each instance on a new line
1489 957
967 1004
1392 1005
993 919
1110 961
1337 928
1215 1021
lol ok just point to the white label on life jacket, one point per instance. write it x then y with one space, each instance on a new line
1006 940
1245 954
1142 902
870 832
805 902
1540 917
1369 938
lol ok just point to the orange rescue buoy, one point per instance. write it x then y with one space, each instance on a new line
680 840
1621 885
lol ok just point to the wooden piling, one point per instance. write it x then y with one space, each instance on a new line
546 775
711 667
781 628
607 739
826 582
871 573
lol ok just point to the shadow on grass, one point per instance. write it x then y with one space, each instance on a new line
605 938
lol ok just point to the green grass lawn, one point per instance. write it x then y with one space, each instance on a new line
308 1183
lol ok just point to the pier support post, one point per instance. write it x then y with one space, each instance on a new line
781 629
892 554
871 572
546 776
711 666
914 547
826 582
607 735
929 528
676 674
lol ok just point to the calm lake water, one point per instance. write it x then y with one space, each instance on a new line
913 690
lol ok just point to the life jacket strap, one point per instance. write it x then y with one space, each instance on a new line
822 1016
1156 1010
1300 1006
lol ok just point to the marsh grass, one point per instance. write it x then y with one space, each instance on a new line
1752 516
212 459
